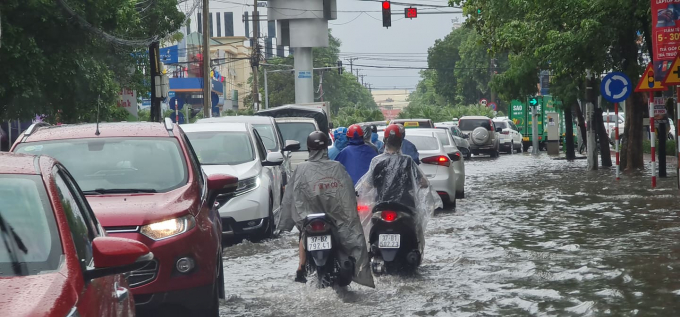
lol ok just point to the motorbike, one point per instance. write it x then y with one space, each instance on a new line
324 255
394 242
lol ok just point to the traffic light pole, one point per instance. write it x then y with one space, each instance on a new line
534 129
266 91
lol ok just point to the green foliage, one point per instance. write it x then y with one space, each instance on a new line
670 147
341 90
350 115
446 113
54 66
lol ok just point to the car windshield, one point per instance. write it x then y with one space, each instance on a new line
124 165
268 136
297 131
29 233
501 124
471 124
443 138
222 148
424 143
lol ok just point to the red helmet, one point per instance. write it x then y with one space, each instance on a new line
394 135
355 131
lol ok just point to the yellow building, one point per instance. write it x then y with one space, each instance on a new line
391 99
231 58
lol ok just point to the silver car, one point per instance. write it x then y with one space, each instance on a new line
483 134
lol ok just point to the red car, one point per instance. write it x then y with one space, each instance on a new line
144 182
55 259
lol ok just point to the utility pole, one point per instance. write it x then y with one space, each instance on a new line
321 86
358 74
207 85
362 79
255 58
493 73
590 109
266 90
155 115
369 88
351 60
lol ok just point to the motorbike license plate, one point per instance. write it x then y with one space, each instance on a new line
389 241
319 243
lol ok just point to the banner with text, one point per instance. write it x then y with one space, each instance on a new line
665 35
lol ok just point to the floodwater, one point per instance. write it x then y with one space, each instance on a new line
534 236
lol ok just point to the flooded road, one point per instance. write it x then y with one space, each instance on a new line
534 236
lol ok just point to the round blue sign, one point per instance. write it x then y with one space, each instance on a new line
616 87
176 102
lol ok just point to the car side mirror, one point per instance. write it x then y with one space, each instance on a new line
273 159
116 256
292 146
220 184
465 136
499 130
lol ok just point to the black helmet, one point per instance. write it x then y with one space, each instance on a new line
317 140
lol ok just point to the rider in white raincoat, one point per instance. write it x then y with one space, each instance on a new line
394 177
320 185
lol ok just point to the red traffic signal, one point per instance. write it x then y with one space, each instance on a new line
411 13
386 5
387 14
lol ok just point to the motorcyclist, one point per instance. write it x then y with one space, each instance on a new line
340 136
309 193
368 138
357 156
374 139
409 148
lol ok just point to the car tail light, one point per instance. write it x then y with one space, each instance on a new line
455 157
437 160
317 226
505 132
540 138
491 125
388 215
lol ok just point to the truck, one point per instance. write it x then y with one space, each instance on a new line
520 114
324 105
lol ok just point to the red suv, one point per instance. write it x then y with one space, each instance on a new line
55 259
144 182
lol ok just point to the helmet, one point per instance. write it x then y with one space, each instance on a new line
394 135
317 140
355 132
339 131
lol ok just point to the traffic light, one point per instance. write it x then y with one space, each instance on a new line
387 13
533 101
340 67
410 13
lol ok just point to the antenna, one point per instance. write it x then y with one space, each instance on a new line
98 102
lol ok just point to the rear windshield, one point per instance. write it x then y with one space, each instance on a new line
222 148
471 124
501 124
143 164
424 143
31 241
297 131
268 136
443 138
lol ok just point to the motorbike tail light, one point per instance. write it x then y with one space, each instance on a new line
317 226
362 208
437 160
388 215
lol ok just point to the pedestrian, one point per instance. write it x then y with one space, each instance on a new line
357 156
340 136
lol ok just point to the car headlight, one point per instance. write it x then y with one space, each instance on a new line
246 185
168 228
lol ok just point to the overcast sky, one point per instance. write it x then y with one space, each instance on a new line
404 44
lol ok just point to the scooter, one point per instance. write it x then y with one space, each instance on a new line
395 245
333 267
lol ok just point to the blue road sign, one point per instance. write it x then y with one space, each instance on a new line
179 101
616 87
493 106
171 94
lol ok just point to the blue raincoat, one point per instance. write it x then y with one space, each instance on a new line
356 158
379 144
339 145
409 149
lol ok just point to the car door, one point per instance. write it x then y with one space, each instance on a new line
272 172
105 296
516 136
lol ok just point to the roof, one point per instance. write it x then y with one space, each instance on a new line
246 119
11 163
407 120
424 131
215 126
106 130
475 117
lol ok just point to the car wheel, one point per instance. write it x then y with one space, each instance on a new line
469 154
214 309
221 293
460 194
268 225
512 147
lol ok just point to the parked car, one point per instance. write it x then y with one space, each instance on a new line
414 123
459 138
455 156
144 182
483 134
436 165
510 137
238 149
56 260
271 136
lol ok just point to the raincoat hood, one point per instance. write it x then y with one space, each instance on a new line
341 141
395 178
323 186
374 137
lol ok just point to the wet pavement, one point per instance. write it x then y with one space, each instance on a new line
534 236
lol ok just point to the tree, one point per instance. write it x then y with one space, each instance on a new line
569 38
53 63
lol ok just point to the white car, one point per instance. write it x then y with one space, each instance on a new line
440 169
297 129
609 121
237 149
510 137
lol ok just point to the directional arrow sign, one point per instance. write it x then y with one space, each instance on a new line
533 101
616 87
